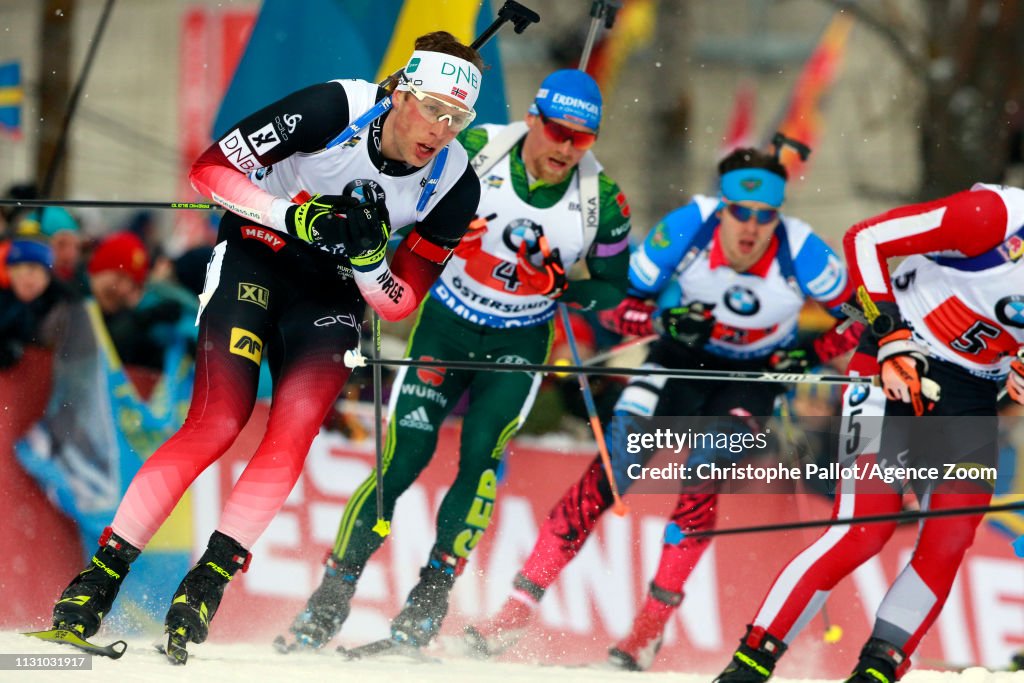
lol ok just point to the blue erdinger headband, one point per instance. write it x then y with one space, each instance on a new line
754 184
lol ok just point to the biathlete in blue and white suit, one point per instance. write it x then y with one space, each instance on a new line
729 276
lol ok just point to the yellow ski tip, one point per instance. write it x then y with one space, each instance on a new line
382 527
834 633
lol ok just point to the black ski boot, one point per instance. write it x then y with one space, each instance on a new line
328 607
427 604
754 660
200 592
880 662
89 597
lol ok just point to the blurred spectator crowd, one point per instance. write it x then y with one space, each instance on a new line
48 263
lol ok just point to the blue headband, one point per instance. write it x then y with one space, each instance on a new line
28 251
754 184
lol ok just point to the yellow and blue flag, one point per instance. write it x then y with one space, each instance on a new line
11 97
94 436
294 45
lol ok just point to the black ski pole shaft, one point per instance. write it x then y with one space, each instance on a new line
723 375
867 519
105 204
382 526
618 506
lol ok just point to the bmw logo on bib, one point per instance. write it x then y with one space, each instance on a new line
522 230
1010 310
857 395
741 301
364 190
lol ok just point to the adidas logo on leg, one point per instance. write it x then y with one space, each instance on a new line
417 419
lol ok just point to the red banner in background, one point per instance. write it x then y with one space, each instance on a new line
212 42
593 602
42 547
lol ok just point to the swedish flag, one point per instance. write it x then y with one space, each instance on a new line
294 45
11 96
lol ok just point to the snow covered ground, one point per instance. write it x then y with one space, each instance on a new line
221 663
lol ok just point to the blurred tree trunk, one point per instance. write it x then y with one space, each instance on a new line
968 56
54 87
976 51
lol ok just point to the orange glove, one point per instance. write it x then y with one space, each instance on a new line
549 277
471 243
903 363
1015 380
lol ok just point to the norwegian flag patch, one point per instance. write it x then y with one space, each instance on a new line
461 94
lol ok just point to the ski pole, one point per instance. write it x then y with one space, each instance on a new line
382 526
618 507
104 204
867 519
353 358
598 10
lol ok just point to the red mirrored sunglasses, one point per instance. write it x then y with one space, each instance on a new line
556 132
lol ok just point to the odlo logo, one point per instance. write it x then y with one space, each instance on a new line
246 344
